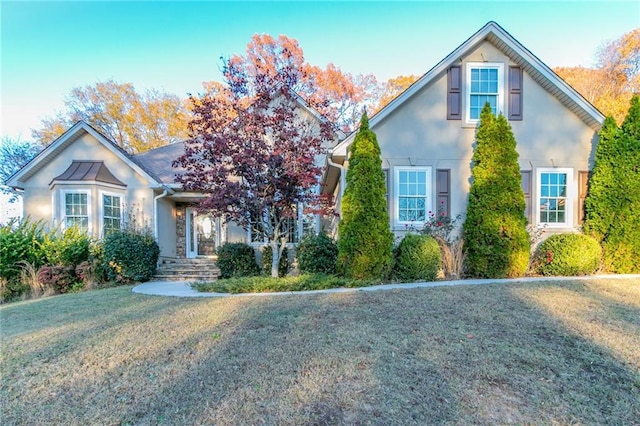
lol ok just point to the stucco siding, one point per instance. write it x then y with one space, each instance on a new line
417 134
43 201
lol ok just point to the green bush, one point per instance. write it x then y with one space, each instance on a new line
417 258
568 255
130 255
317 254
496 242
237 260
267 260
20 240
612 206
66 248
365 246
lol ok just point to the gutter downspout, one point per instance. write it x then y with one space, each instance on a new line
165 192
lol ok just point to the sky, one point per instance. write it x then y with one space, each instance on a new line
50 47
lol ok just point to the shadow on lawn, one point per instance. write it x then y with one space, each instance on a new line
489 354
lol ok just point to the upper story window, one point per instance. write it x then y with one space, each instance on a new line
76 209
111 212
413 185
485 82
555 197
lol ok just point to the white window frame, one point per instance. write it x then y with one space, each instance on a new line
101 195
569 197
63 207
467 87
428 195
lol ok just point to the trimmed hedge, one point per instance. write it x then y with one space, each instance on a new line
237 260
568 255
317 254
417 258
130 255
267 260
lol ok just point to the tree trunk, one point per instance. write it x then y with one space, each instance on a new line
275 260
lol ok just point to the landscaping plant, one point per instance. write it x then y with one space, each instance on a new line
612 205
568 255
317 254
130 255
365 241
237 260
495 235
267 261
417 258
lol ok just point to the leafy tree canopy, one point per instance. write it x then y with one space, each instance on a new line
611 84
137 122
254 150
14 153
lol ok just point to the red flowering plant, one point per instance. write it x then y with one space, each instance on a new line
441 226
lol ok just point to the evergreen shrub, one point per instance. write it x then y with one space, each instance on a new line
612 205
365 241
69 247
417 258
237 260
267 260
568 255
130 255
317 254
496 242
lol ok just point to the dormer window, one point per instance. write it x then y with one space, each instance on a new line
485 82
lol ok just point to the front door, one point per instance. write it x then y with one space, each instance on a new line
203 234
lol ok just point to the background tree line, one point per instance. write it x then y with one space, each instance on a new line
141 121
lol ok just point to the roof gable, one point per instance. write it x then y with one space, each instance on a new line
74 133
531 64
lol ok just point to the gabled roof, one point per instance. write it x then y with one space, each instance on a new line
74 133
89 171
161 159
502 40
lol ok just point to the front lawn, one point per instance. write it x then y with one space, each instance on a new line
537 353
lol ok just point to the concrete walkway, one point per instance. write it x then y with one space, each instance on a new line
183 289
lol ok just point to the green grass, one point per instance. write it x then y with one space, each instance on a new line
262 284
538 353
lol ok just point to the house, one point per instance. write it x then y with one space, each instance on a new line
84 179
427 133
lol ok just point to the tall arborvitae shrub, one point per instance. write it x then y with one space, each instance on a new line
496 241
365 242
612 205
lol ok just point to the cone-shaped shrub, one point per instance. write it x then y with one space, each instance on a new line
365 241
612 205
495 235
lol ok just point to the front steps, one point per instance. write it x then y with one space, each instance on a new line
198 269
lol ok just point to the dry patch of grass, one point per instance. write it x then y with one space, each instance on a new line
555 352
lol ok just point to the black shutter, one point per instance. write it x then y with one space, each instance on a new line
583 180
526 188
454 93
515 93
443 190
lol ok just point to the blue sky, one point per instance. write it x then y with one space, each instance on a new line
47 48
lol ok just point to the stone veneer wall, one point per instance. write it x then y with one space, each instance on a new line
181 230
